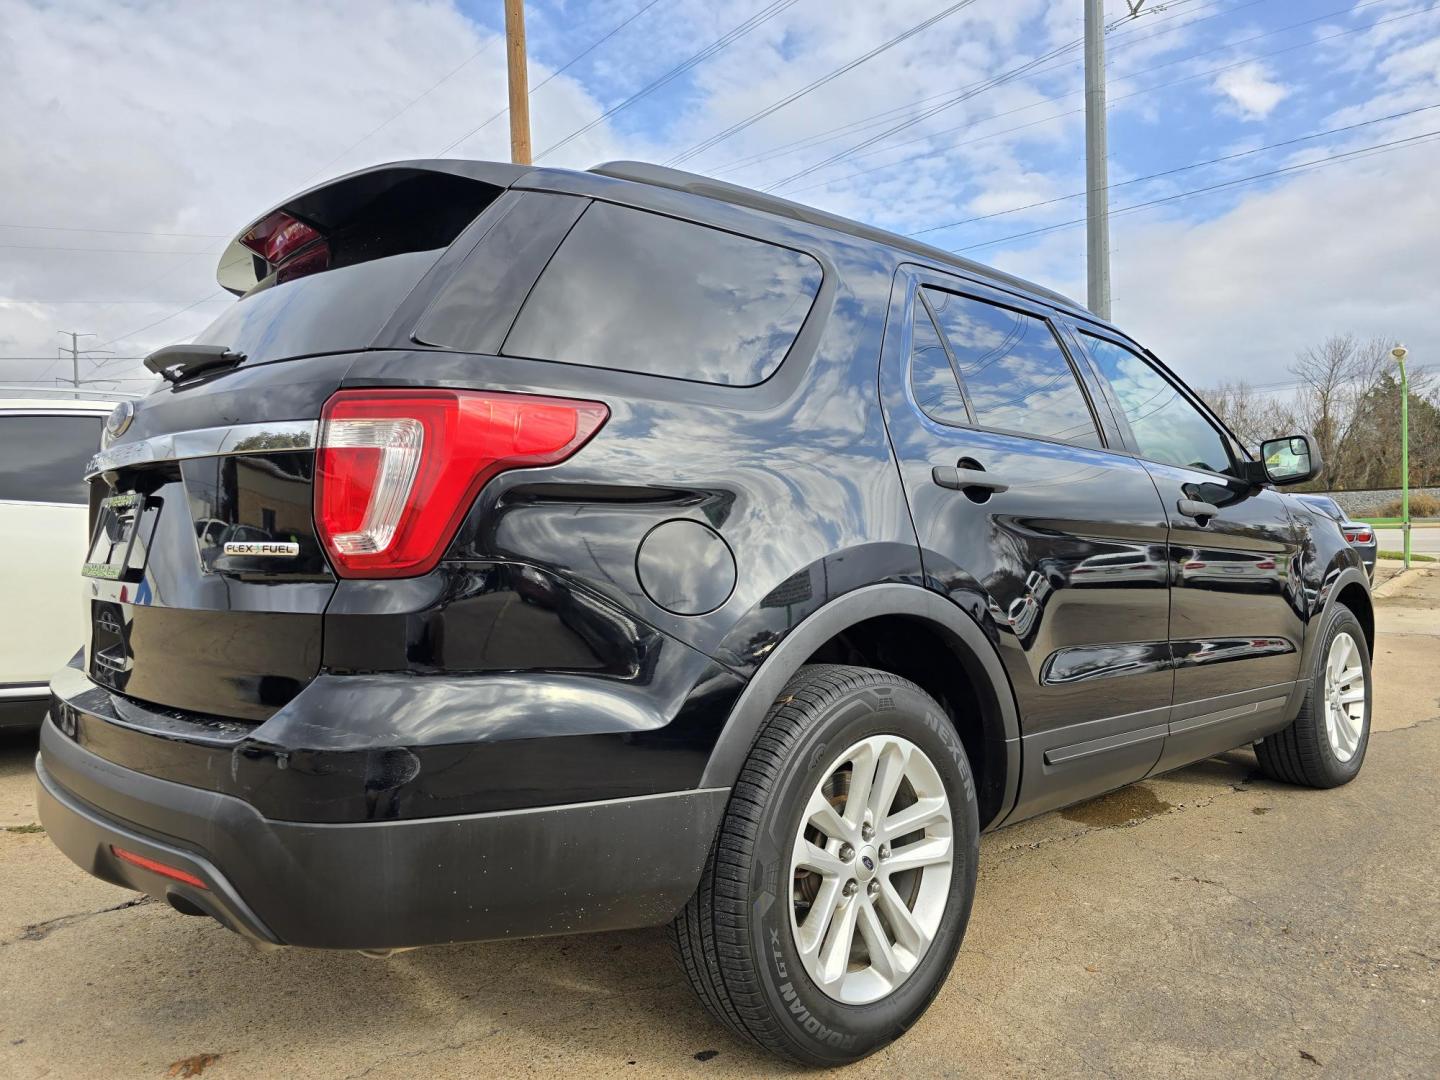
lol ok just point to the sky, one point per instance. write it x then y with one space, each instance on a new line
1272 163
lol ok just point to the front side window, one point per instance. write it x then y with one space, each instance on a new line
1013 369
1166 427
43 458
634 291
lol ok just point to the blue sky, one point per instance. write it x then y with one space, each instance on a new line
1226 285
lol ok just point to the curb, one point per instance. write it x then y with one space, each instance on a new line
1399 581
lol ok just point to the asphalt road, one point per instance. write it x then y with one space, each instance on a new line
1207 923
1424 539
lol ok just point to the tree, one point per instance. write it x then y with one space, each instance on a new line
1252 415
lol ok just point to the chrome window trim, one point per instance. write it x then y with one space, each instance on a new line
261 438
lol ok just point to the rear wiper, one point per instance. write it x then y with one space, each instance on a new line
176 362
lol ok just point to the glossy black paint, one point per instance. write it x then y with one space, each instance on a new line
594 626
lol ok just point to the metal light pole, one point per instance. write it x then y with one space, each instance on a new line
1399 353
1097 180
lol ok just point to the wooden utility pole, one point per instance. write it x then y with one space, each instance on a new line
519 82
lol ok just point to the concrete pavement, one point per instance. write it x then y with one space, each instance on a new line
1206 923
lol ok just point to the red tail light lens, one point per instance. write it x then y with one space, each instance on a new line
1359 536
397 470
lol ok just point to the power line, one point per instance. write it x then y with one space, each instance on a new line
1363 151
101 250
1075 112
558 71
406 107
979 88
753 118
881 117
854 151
719 44
1182 168
116 232
130 334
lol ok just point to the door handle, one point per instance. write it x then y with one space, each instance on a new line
949 476
1194 508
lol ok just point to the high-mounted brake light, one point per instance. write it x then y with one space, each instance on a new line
290 247
397 470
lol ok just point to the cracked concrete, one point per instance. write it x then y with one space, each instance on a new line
1203 923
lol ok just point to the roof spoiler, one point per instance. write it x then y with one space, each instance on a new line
357 198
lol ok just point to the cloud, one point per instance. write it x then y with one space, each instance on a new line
1250 91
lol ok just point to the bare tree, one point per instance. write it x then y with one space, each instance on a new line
1251 414
1335 377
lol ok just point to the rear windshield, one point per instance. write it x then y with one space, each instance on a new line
635 291
333 311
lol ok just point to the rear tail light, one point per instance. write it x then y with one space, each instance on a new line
397 470
290 247
1359 536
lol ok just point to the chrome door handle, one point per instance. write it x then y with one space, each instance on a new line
948 476
1194 508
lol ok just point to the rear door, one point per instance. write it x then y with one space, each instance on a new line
42 505
1029 519
1235 631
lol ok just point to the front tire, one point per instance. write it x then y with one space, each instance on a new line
1325 745
839 885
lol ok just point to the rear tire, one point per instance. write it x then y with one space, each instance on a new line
823 945
1325 745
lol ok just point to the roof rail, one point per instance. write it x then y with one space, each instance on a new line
642 172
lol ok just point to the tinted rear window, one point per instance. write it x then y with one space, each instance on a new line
635 291
42 458
329 312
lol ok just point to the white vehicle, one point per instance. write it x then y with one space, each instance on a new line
45 442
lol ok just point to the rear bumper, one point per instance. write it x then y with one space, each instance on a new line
379 884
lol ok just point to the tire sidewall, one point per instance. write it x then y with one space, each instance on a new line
821 1028
1342 619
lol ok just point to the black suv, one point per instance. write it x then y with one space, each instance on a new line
536 552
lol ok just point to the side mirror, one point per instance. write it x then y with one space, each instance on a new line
1291 460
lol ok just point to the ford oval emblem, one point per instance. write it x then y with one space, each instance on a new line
119 419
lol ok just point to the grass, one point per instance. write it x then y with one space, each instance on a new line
1414 556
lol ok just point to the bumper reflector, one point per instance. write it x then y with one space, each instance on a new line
156 867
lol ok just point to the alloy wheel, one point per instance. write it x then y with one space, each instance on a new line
1345 702
871 868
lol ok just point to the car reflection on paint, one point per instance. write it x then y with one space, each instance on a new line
1230 571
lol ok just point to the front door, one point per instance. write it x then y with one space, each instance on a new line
1235 627
1053 541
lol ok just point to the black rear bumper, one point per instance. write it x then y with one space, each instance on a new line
582 867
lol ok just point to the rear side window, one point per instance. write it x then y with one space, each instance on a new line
932 379
635 291
1013 370
42 458
1164 425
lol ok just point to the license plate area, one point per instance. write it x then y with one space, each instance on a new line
117 547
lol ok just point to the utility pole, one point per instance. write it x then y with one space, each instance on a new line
1097 172
1399 353
75 354
519 82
